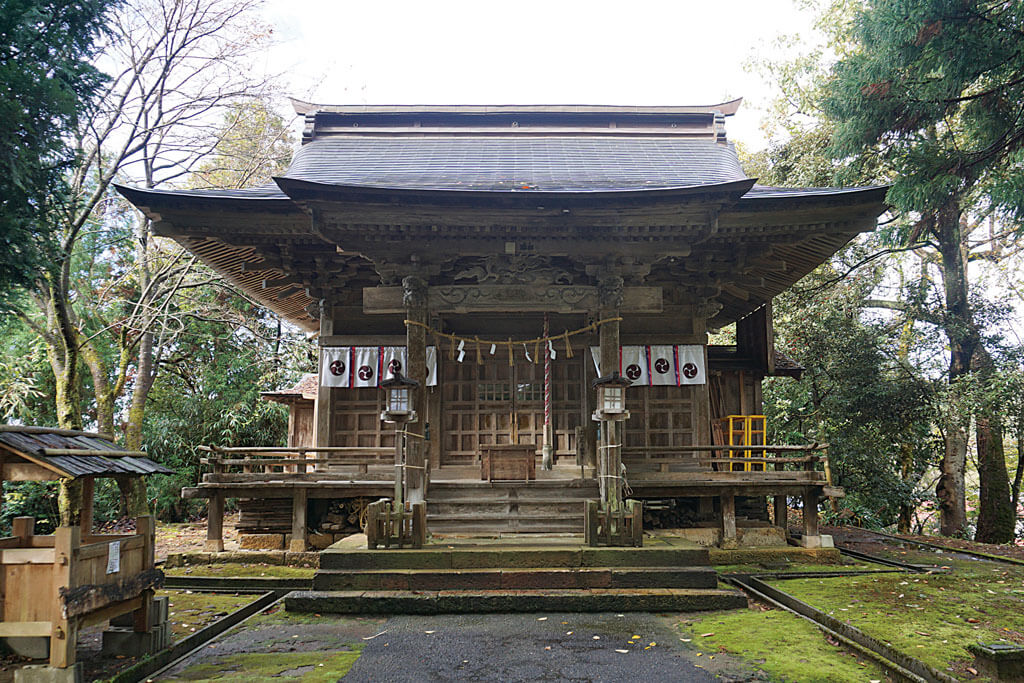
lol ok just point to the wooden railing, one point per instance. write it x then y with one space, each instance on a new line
707 458
286 460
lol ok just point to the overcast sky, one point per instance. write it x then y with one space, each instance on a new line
529 52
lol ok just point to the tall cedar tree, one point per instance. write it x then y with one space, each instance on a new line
936 91
45 80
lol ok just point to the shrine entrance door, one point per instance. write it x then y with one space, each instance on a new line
495 403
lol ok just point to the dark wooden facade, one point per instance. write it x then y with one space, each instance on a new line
413 227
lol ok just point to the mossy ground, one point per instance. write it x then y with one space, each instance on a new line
188 612
278 616
794 567
932 617
782 645
243 570
273 666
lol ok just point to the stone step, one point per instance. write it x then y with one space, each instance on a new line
476 525
492 601
554 507
523 557
514 579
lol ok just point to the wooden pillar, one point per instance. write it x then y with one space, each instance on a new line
781 505
810 513
215 523
609 293
298 542
64 634
415 301
728 506
706 508
24 528
145 527
610 298
323 409
88 492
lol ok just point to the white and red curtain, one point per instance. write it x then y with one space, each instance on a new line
367 366
659 364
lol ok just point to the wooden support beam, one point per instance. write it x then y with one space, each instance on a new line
215 523
298 542
92 451
64 633
415 308
23 528
88 491
53 430
781 506
323 411
728 507
811 497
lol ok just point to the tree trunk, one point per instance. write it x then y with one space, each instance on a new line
962 333
996 518
134 489
1018 474
906 510
996 512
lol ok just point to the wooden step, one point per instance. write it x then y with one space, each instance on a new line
504 556
515 579
496 601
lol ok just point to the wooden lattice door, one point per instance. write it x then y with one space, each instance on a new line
489 402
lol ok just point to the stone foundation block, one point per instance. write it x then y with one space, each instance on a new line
822 541
121 640
48 674
261 542
320 541
1000 661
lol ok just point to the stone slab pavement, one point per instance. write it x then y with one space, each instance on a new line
492 647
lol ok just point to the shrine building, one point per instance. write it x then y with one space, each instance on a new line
512 267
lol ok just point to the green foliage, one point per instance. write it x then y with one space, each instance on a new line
210 396
46 80
856 395
30 499
935 90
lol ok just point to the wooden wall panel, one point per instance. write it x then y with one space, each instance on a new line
356 420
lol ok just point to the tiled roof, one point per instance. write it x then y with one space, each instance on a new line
520 164
515 163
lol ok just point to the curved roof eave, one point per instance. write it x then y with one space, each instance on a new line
305 189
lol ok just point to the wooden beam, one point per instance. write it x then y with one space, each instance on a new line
92 451
25 629
53 430
512 299
88 491
27 471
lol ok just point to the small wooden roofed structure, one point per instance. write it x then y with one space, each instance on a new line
418 226
50 586
47 454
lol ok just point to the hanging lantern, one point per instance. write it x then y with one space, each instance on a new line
611 397
399 399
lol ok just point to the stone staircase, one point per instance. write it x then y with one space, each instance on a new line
493 508
542 574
